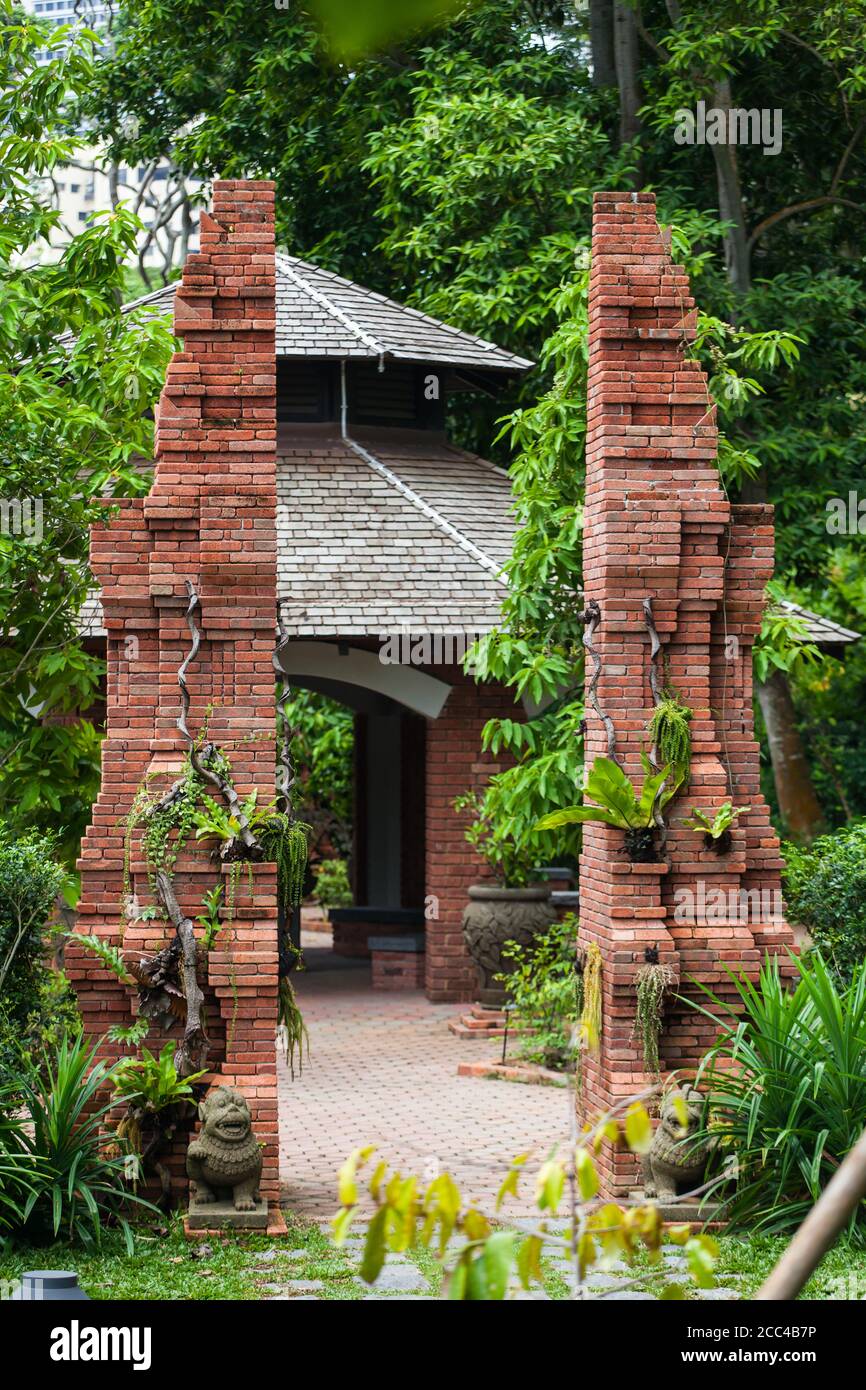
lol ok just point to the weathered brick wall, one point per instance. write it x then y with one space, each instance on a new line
455 764
658 526
210 518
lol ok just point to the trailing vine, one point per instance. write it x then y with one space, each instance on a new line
669 732
293 1030
285 842
652 983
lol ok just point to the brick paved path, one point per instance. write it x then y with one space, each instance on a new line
383 1070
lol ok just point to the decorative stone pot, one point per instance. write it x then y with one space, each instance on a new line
496 915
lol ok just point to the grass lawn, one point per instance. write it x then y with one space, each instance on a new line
166 1266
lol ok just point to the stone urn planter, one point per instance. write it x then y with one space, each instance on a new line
495 915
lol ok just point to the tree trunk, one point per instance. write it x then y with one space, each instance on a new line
737 254
601 43
798 802
625 47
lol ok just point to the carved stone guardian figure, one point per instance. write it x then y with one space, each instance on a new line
224 1165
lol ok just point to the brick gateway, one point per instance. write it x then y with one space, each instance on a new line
658 528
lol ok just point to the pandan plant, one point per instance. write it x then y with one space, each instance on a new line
717 832
620 805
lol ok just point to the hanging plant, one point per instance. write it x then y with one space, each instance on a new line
590 1018
285 842
292 1029
670 735
652 983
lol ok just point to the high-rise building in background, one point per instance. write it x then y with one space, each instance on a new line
162 197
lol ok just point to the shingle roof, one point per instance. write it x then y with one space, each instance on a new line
319 314
822 631
409 538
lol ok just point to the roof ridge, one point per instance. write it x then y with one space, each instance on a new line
425 508
333 309
148 298
484 343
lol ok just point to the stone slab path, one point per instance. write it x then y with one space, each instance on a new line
383 1070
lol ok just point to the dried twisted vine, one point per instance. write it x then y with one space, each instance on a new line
192 1052
655 648
591 620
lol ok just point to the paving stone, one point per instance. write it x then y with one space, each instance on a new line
602 1281
531 1296
630 1296
401 1278
364 1045
298 1286
718 1295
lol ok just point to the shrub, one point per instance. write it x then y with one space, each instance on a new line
543 986
63 1175
825 891
786 1087
332 883
30 879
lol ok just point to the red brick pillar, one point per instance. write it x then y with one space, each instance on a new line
658 527
209 518
455 764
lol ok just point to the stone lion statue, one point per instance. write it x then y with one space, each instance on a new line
674 1162
225 1162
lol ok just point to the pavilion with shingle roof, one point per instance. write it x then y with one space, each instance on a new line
391 546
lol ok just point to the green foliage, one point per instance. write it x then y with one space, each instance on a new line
356 29
30 880
210 918
825 892
783 643
669 733
77 379
332 888
786 1088
502 834
153 1081
77 1182
619 804
322 755
111 956
150 1085
168 822
542 984
481 1258
716 824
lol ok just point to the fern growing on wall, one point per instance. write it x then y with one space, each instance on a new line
671 737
